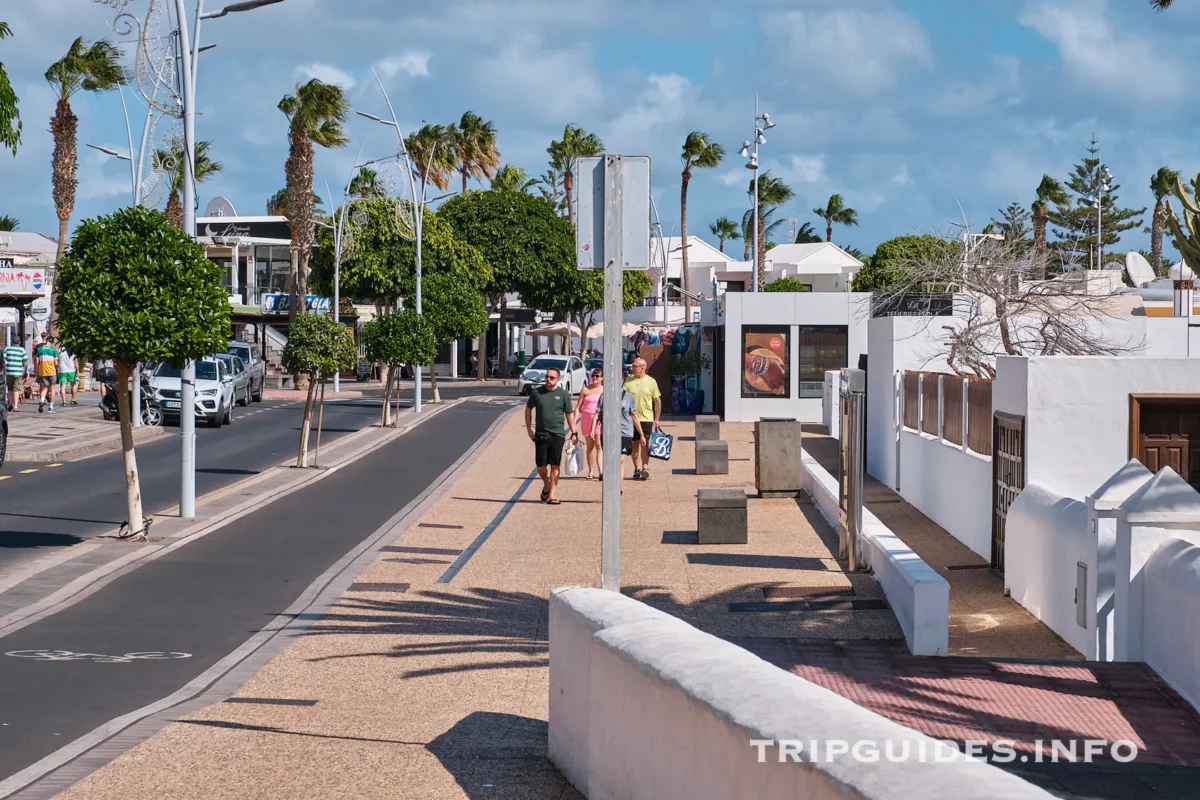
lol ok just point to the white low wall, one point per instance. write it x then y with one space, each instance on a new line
1171 623
831 403
918 596
1045 537
643 705
949 485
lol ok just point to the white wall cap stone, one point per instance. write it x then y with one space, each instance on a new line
1164 498
1117 489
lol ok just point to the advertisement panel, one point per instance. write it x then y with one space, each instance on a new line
766 367
21 281
281 303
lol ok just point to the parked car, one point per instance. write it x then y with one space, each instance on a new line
242 392
590 364
249 353
214 392
573 378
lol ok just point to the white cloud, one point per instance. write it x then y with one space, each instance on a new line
999 90
803 169
658 110
543 83
902 178
849 49
413 63
733 177
1102 55
326 73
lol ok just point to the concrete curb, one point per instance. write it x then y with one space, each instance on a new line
91 582
85 755
92 448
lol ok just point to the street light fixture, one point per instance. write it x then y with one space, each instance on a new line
233 8
759 139
108 151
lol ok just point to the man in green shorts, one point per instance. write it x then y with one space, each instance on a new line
555 413
68 376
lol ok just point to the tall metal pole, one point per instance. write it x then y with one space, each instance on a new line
187 411
614 311
419 230
1100 214
754 233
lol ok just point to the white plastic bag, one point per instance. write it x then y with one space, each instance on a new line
574 460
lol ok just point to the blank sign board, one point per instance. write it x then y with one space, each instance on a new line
613 182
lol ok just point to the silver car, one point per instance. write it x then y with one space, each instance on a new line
243 390
249 353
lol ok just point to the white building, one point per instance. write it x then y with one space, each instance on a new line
822 267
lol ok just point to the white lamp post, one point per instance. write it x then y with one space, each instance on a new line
752 164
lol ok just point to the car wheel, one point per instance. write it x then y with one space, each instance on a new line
3 442
228 416
215 420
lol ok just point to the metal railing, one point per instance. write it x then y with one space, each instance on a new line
955 408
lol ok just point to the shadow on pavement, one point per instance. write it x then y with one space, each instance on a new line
23 539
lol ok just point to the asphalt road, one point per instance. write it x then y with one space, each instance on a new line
61 506
209 597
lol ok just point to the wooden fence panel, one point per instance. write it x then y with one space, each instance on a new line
912 383
979 416
929 403
952 408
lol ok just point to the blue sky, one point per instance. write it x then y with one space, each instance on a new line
906 107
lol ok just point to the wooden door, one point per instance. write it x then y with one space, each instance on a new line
1165 435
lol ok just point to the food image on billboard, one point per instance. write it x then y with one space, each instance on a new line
765 370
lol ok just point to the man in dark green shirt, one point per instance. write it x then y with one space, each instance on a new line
555 414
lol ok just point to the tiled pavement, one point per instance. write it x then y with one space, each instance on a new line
71 432
437 687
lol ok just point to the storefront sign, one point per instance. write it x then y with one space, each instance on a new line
765 362
20 280
282 303
233 229
914 304
39 310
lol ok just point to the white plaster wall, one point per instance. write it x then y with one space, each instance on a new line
799 308
1045 536
883 403
1136 544
1077 418
917 595
1010 390
1172 617
664 711
831 403
949 485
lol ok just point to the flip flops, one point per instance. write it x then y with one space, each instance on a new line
545 495
554 502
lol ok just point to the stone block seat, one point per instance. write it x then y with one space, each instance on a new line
712 458
721 516
708 428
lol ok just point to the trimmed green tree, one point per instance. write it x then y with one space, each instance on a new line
454 309
880 272
132 289
520 236
786 284
10 114
579 294
317 346
1074 220
395 338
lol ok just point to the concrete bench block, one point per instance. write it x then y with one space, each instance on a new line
721 516
712 458
708 428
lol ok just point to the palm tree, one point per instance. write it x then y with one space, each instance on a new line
171 163
8 223
807 234
433 154
475 147
92 68
772 193
317 114
698 153
10 112
512 179
366 184
550 187
575 144
836 212
1049 192
725 228
277 205
1161 5
1163 185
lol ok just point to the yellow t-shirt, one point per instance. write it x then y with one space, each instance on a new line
645 392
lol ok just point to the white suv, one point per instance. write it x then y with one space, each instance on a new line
214 392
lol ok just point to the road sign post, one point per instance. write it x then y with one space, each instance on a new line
613 234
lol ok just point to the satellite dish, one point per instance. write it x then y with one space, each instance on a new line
1138 269
220 207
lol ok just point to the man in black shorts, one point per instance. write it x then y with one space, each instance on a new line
555 413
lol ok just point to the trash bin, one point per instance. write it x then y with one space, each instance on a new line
777 470
521 360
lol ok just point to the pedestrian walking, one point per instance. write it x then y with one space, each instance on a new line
589 422
16 364
68 376
648 399
45 356
548 428
631 429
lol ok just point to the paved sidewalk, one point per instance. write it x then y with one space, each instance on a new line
69 433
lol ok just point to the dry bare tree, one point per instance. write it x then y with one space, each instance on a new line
1003 306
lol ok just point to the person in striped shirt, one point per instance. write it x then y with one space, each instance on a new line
45 357
16 361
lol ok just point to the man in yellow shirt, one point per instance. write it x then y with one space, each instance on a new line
648 400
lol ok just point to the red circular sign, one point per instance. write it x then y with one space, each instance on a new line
777 343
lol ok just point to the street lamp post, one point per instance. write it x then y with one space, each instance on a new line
752 164
189 47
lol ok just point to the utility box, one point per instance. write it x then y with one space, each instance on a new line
777 471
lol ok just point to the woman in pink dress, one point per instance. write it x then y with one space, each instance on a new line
585 407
